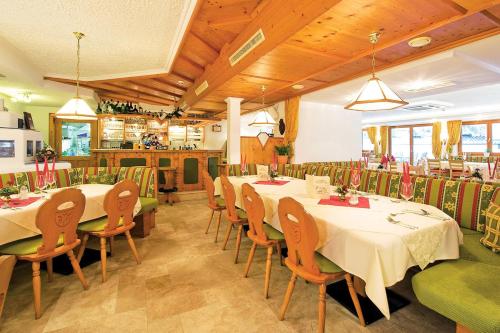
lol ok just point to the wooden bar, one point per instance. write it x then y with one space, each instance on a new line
188 163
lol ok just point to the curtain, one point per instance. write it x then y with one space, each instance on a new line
384 138
291 122
454 131
436 139
372 135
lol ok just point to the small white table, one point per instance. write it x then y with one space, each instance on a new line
361 241
19 223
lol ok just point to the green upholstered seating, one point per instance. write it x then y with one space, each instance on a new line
220 201
241 213
473 250
95 225
325 265
147 204
272 233
464 291
26 246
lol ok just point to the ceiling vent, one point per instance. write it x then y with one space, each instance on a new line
201 88
426 106
246 48
429 86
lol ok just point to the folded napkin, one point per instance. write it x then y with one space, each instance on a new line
20 202
335 201
271 182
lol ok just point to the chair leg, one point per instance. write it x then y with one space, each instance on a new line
210 221
218 225
268 271
111 245
355 300
228 233
321 308
50 270
37 289
132 247
250 259
77 269
82 247
238 242
278 248
288 296
103 258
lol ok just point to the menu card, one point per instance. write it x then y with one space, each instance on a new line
318 186
262 172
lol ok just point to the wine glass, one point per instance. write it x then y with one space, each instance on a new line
407 191
355 180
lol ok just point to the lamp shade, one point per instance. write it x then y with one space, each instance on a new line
263 119
76 108
375 96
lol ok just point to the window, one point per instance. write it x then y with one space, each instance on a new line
400 143
422 143
495 137
75 139
367 144
474 138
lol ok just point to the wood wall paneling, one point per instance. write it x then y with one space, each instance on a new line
255 152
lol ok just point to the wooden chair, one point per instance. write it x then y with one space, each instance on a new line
301 235
260 233
215 203
434 167
57 219
417 170
119 205
235 216
6 266
457 169
393 166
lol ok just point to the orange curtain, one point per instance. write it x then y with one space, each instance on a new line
436 139
372 135
291 121
454 130
384 139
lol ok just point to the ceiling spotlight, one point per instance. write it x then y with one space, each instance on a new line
180 82
298 86
420 41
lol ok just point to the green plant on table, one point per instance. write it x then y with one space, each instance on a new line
6 192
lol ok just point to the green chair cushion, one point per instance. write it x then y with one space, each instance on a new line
241 213
325 265
463 291
272 233
220 201
147 204
95 225
473 250
26 246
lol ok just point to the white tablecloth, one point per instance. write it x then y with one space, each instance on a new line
19 223
361 241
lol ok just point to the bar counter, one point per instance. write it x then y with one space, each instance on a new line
188 163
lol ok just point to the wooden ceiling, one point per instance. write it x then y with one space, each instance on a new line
312 43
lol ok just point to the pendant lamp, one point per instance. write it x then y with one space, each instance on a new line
375 95
263 118
76 108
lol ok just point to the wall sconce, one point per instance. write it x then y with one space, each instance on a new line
216 128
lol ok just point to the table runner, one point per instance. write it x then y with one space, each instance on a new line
335 201
361 241
19 223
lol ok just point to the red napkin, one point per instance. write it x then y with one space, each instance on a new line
335 201
21 202
406 173
270 182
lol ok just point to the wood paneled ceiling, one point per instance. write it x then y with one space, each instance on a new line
312 43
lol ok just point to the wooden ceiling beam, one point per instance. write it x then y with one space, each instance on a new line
126 98
455 6
179 77
313 52
490 16
386 44
142 90
171 85
279 20
155 86
204 42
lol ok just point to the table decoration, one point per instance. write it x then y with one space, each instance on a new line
271 182
243 165
18 202
262 172
6 193
342 190
337 201
406 185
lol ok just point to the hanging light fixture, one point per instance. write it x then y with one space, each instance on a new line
263 118
375 94
76 108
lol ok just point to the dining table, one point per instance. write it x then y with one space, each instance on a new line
19 221
377 244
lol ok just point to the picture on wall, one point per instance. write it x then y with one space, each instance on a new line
28 121
7 148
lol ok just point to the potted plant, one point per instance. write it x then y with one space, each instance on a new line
47 152
283 152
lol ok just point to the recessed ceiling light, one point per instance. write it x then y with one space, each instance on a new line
180 82
298 86
420 41
422 85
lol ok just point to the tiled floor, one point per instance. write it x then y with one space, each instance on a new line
186 283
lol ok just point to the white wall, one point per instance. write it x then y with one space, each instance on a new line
327 133
215 140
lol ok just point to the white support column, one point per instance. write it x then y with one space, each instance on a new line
233 129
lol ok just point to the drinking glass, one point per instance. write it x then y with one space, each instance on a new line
407 191
355 180
23 192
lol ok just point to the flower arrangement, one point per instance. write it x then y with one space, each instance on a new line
342 190
6 192
46 153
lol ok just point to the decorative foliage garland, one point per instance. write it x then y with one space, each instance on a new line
112 107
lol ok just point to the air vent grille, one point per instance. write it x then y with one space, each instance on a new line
246 48
201 88
424 107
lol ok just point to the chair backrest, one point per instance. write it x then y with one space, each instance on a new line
457 165
229 198
301 234
210 187
434 164
119 203
6 266
254 207
60 215
393 166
